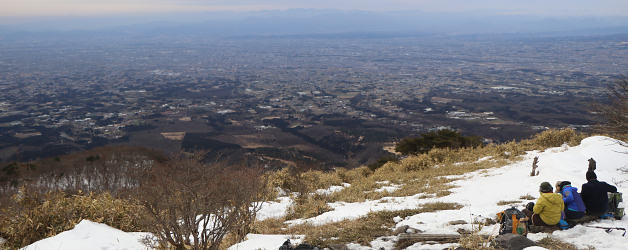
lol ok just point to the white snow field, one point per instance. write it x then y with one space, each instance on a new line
92 235
265 241
478 191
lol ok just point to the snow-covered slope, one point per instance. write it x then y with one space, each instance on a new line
478 191
92 235
481 191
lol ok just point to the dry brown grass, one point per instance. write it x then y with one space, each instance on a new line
438 206
308 205
270 226
424 173
475 241
428 174
553 243
362 230
503 203
366 229
527 197
34 217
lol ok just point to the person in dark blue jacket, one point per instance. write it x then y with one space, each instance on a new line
594 195
574 206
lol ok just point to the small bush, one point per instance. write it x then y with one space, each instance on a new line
417 163
353 175
269 226
556 138
437 139
284 179
381 161
35 217
293 180
307 206
314 180
475 240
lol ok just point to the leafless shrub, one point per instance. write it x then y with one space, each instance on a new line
114 170
615 112
195 205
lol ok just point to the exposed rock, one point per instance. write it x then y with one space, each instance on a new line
306 247
401 229
542 229
414 231
338 247
513 242
457 222
463 231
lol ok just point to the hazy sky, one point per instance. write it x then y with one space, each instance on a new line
105 7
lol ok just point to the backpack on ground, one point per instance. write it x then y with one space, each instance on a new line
615 205
510 222
286 245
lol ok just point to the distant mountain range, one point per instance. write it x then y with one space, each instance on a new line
306 22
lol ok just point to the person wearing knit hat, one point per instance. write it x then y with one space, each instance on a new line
594 194
545 187
590 175
548 208
574 206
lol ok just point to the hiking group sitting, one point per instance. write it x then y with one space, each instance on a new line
554 208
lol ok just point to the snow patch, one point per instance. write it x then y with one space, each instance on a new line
274 209
390 189
92 235
266 241
332 189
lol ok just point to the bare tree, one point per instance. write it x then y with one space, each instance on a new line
615 111
195 205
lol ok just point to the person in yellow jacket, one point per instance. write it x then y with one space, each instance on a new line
548 208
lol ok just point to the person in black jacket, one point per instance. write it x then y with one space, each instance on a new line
594 194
